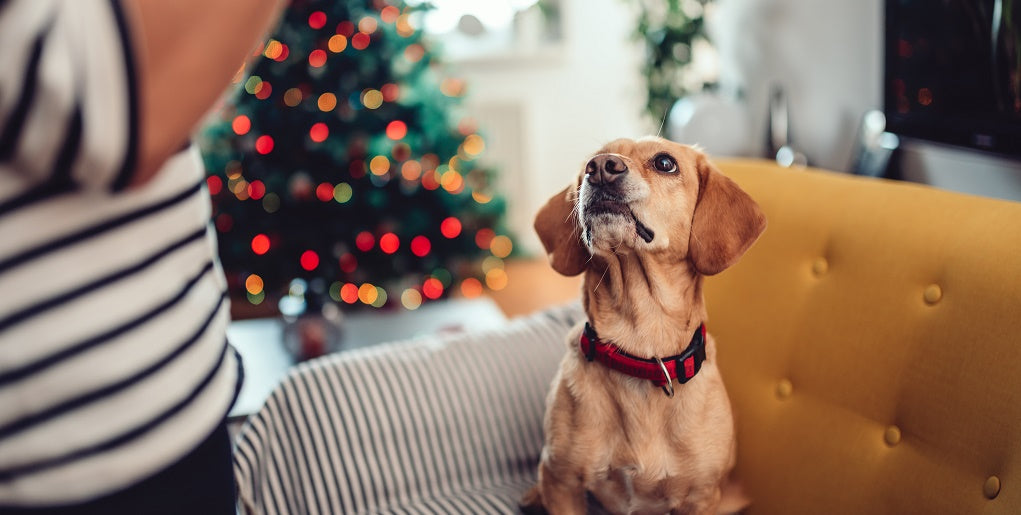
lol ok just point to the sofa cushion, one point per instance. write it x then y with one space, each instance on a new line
450 423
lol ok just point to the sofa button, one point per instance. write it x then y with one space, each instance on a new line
932 294
892 436
784 389
820 266
992 487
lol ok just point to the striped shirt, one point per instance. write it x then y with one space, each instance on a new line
113 357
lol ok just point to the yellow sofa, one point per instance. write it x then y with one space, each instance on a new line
871 346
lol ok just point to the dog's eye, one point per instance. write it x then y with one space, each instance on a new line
664 163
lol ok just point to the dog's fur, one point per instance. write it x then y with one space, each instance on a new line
617 437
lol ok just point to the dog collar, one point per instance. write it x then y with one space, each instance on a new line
661 371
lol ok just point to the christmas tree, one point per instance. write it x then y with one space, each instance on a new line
340 165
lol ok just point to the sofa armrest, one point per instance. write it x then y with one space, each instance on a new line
442 423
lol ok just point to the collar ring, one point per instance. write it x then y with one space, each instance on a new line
668 385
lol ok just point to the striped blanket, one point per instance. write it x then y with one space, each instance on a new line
441 424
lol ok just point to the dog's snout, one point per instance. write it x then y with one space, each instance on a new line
605 168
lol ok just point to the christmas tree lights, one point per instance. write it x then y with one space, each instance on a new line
341 162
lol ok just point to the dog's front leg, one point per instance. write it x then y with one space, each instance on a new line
563 493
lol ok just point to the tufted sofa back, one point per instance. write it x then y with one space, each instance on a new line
871 345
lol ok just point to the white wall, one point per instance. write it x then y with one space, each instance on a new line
566 101
828 54
546 113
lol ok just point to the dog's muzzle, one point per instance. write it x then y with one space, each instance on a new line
603 174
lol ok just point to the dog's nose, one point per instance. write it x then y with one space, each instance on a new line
605 168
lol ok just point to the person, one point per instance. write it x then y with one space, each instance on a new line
115 373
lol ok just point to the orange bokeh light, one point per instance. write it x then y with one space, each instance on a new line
471 287
241 124
349 293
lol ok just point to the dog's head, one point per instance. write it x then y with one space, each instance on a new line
649 196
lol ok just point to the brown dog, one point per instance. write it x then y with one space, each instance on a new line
646 220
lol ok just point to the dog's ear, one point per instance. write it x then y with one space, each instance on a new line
560 233
726 223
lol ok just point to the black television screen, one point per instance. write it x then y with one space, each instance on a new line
953 72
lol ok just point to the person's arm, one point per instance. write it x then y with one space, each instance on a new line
186 52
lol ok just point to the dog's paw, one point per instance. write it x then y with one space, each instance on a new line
531 502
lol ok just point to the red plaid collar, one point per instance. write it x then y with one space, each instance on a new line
661 371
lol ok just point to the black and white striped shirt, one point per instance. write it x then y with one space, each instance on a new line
113 358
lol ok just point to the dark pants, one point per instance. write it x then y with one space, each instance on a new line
200 483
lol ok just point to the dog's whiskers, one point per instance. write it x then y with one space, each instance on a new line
601 278
662 123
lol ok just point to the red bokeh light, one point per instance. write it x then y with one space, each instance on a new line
356 169
260 244
265 89
319 132
420 246
360 41
390 91
309 260
317 58
241 124
484 237
450 227
317 20
346 28
264 144
224 222
215 184
432 288
256 189
364 241
389 243
396 130
430 180
348 263
284 52
324 192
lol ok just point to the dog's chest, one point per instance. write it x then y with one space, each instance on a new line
654 462
628 485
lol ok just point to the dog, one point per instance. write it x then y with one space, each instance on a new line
637 415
